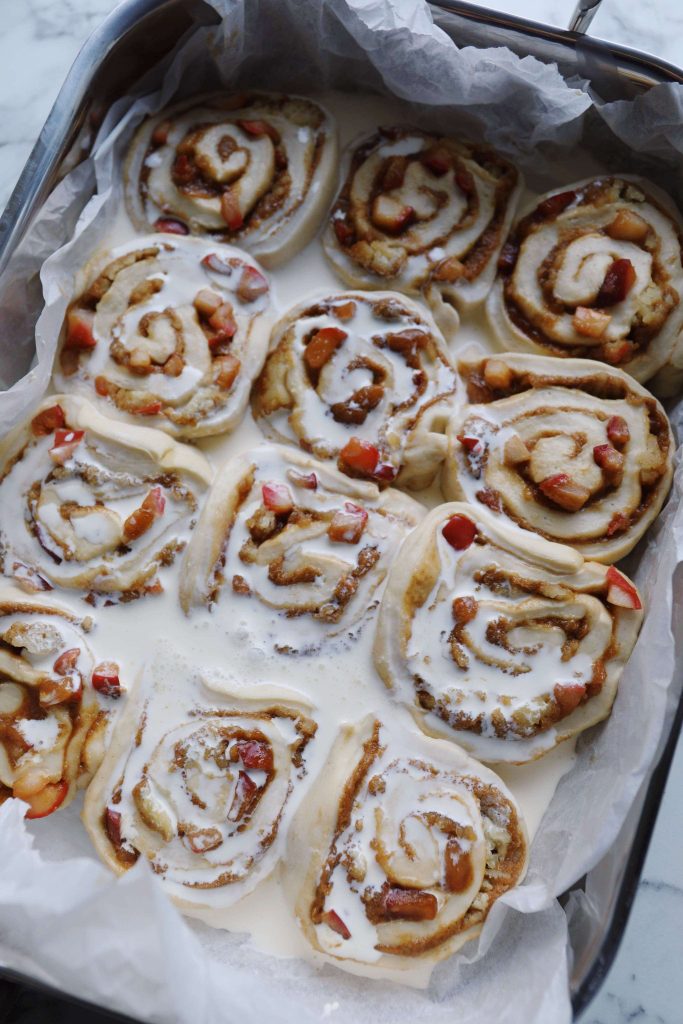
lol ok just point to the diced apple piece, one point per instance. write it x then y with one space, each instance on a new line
152 810
160 134
617 352
230 211
105 679
360 456
252 285
255 754
628 226
322 346
410 904
343 231
309 481
437 159
65 689
464 609
332 919
277 498
497 374
554 205
515 451
207 302
47 421
347 525
46 800
390 215
617 524
171 226
621 591
67 661
226 370
458 867
79 329
590 323
223 320
394 172
259 128
151 409
565 492
112 825
470 443
139 521
617 431
568 696
344 310
244 798
65 444
459 531
610 461
619 279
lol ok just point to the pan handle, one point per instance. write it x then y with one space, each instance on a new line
583 15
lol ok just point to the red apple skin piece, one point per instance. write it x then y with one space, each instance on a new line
230 211
46 800
277 498
347 526
79 329
470 443
65 444
151 409
344 233
67 661
621 591
385 472
332 919
436 160
112 825
252 285
309 481
568 696
459 531
565 492
322 346
617 524
617 431
105 679
47 421
245 791
554 205
255 754
171 226
139 521
360 456
258 128
410 905
619 281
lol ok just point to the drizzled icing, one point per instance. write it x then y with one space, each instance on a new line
175 332
349 365
85 490
256 168
507 644
569 416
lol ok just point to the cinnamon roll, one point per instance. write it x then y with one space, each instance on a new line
404 847
502 640
94 505
573 450
595 271
170 333
52 725
201 782
253 168
360 379
293 549
421 212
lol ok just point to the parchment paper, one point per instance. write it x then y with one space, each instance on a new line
63 917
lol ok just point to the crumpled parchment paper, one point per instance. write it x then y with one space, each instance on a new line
118 942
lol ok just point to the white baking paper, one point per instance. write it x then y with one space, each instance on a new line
63 918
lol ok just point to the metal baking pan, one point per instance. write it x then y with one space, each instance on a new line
134 37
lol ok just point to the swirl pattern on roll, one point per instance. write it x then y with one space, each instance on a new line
52 726
90 504
421 212
358 378
170 333
575 451
404 847
595 272
293 549
199 780
500 640
252 168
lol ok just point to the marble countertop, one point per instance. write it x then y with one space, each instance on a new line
40 39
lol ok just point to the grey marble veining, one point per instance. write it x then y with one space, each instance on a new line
40 39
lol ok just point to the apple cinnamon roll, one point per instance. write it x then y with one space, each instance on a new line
573 450
359 378
201 782
254 168
292 549
170 333
94 505
421 212
404 848
501 640
595 272
52 726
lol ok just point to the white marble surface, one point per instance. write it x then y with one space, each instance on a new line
40 38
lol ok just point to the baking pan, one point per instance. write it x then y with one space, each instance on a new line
133 38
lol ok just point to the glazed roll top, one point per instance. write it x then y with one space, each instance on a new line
169 333
358 378
501 640
197 780
254 168
292 549
94 505
52 728
422 212
574 451
402 849
595 271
